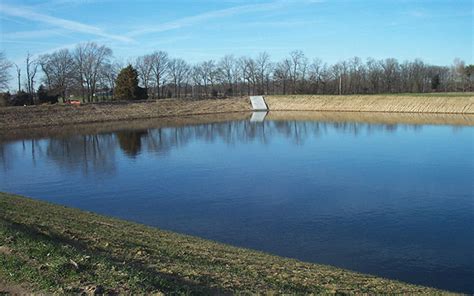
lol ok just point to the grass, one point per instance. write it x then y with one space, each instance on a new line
47 248
393 103
62 115
438 94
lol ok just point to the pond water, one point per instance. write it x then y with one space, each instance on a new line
391 200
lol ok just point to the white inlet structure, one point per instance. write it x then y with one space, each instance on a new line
258 103
258 116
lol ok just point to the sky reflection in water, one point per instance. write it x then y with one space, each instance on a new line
392 200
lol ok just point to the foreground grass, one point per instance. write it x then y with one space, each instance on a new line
54 249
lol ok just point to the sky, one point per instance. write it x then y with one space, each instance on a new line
332 30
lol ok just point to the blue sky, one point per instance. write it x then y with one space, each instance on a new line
332 30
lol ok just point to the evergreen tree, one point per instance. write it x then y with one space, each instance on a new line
126 85
45 96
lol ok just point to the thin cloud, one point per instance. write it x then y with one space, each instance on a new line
216 14
284 23
35 34
26 13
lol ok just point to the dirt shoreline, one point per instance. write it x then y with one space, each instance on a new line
164 122
63 115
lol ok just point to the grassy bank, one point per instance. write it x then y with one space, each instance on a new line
49 248
62 115
409 103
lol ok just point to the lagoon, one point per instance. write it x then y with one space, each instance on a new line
393 200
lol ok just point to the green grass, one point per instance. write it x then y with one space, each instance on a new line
53 249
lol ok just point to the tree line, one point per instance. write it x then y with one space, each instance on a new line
89 71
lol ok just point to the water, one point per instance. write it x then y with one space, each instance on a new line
391 200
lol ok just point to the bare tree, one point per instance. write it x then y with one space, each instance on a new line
264 68
89 68
299 66
179 72
206 75
144 66
90 58
59 70
196 78
108 76
282 75
229 73
315 75
390 72
31 70
5 66
159 66
248 68
458 70
18 74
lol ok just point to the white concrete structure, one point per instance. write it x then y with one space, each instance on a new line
258 103
258 116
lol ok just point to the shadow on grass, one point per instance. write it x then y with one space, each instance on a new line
149 279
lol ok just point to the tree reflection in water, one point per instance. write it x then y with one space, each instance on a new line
131 141
89 152
97 152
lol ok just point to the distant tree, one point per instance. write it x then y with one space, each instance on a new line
144 65
46 96
229 73
18 75
298 69
90 59
31 70
21 98
90 71
108 76
179 72
435 82
4 99
282 75
469 72
5 66
59 70
159 68
126 85
264 67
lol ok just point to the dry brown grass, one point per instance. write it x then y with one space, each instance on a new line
373 103
60 115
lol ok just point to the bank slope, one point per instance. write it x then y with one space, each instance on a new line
50 248
64 115
454 103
